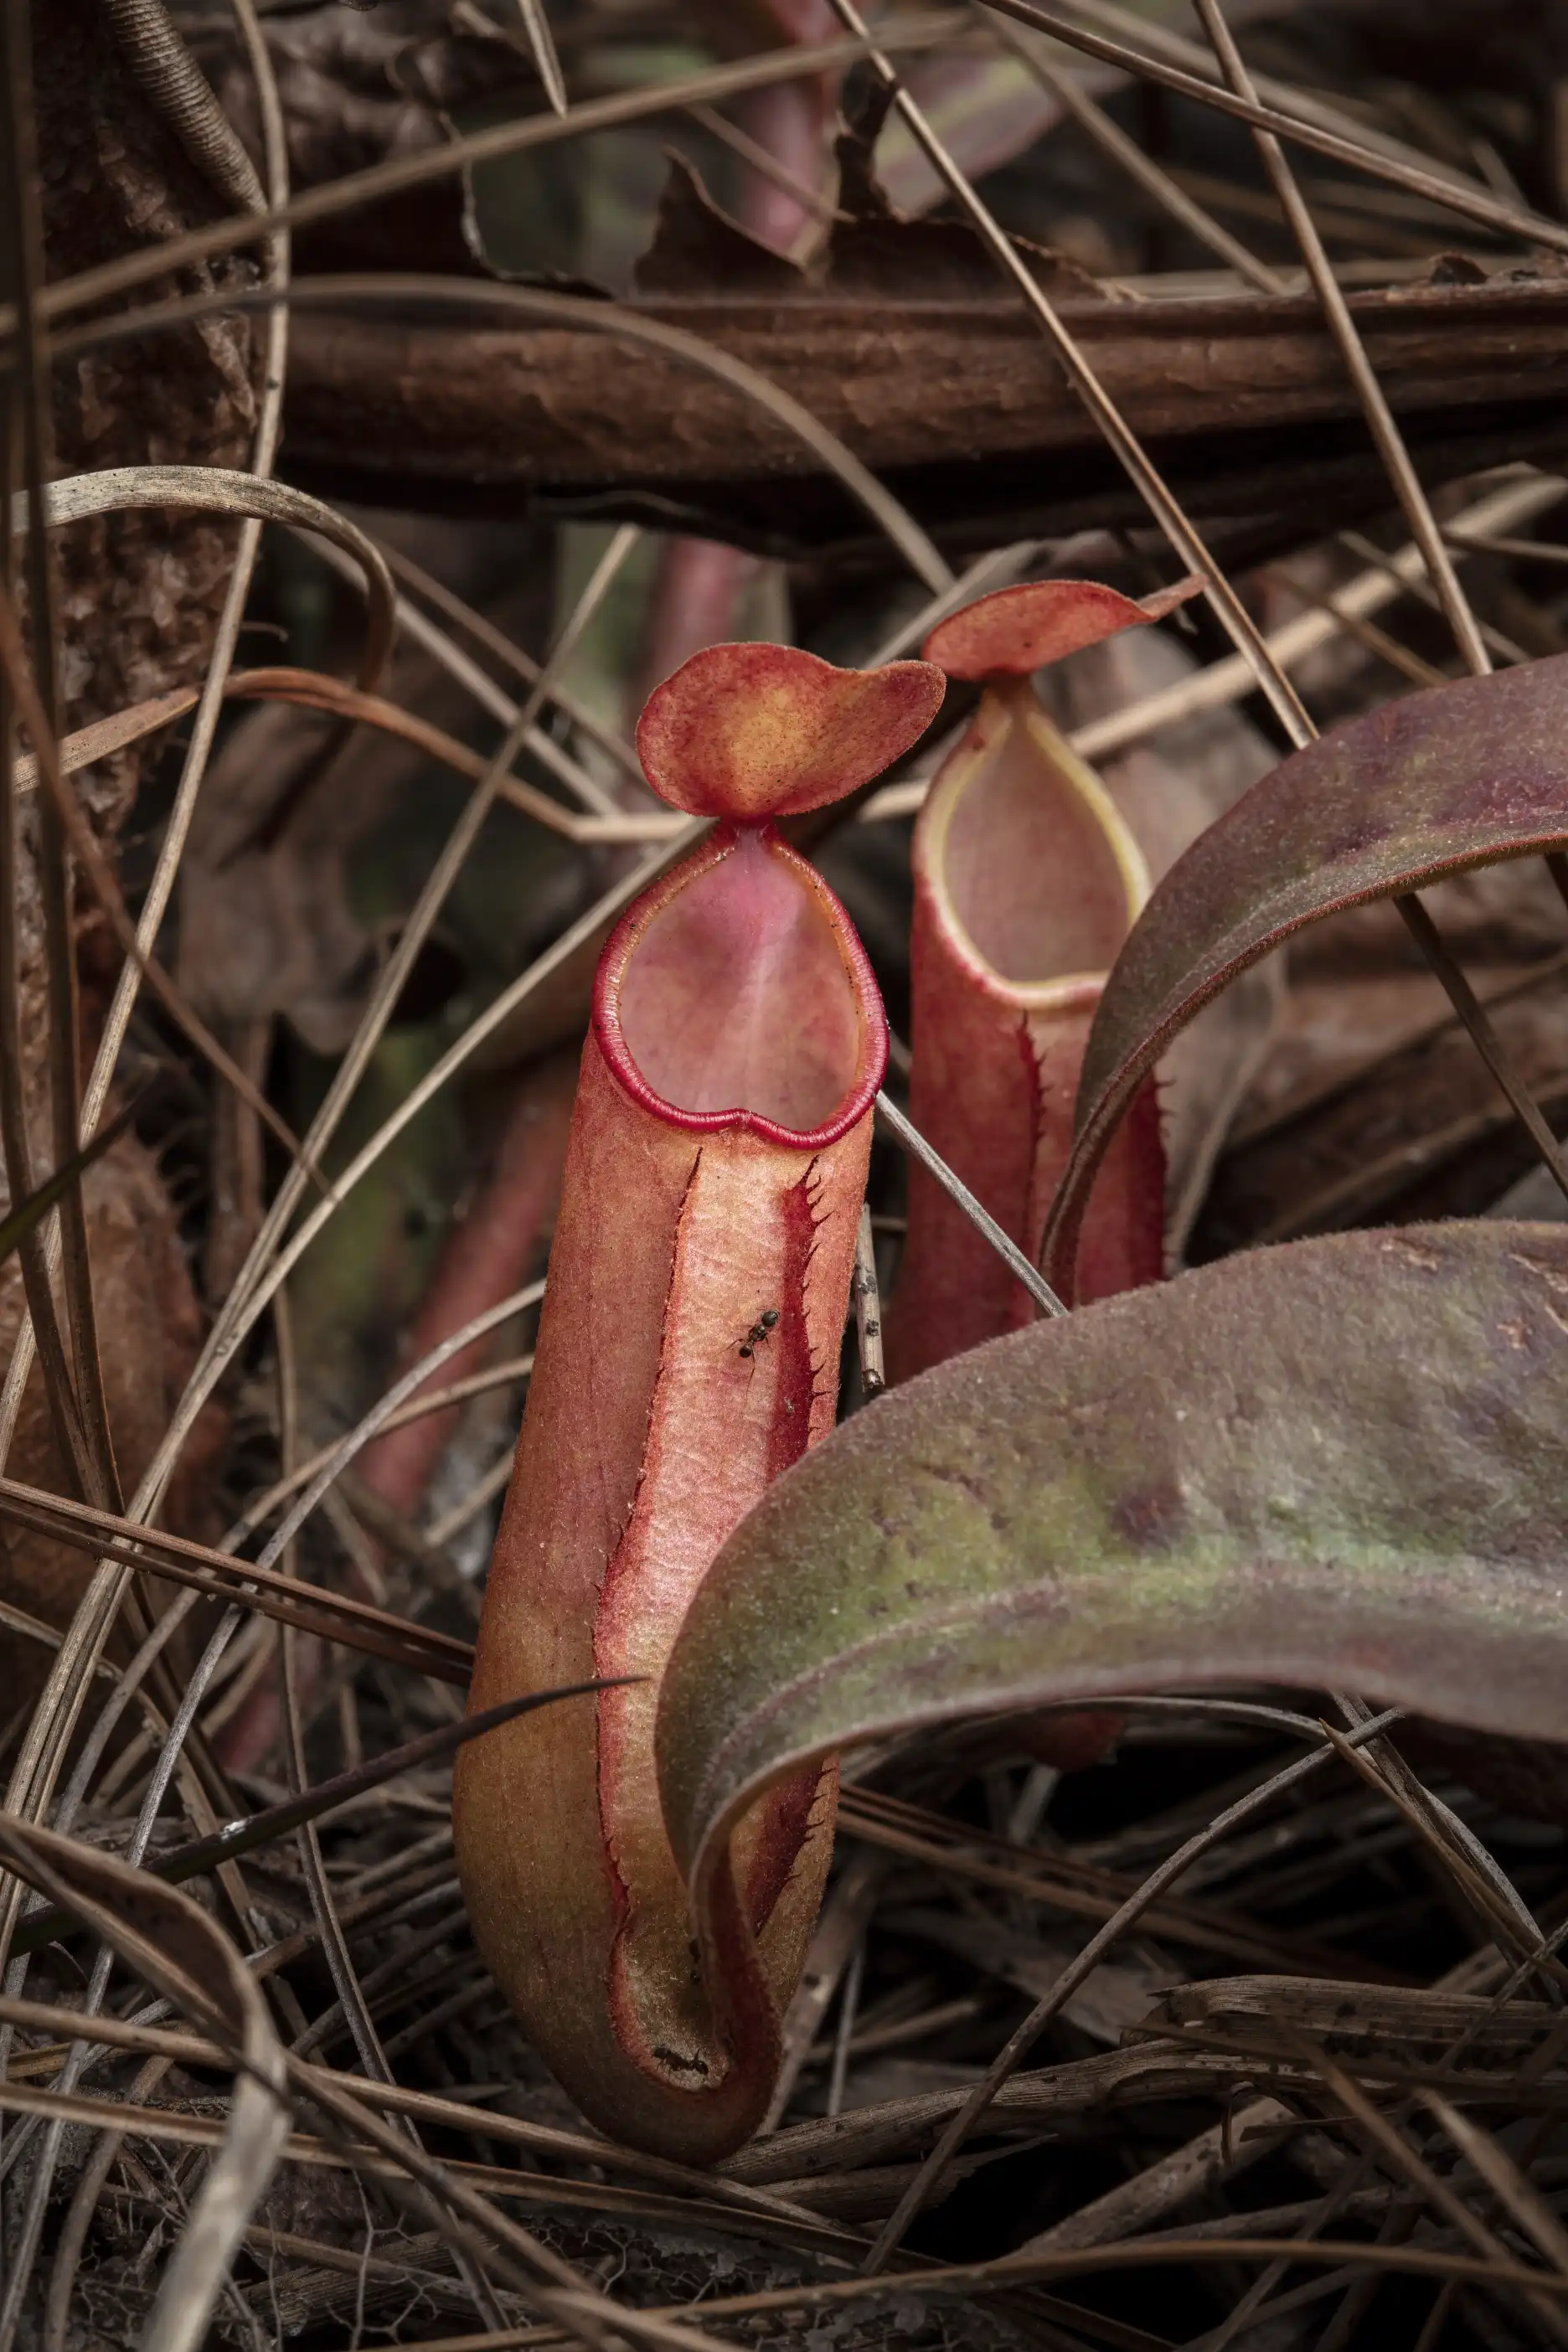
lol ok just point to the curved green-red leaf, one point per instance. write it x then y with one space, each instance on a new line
1338 1463
1466 775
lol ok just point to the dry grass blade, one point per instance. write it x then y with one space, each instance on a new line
402 1401
1010 2271
335 1617
511 656
1145 475
1127 2210
337 1458
593 796
220 491
840 1933
644 2327
542 43
1125 152
1387 649
542 2139
910 1139
1466 198
1379 415
1492 637
932 1839
106 890
317 690
1494 1900
351 2003
1435 2191
106 736
761 160
169 1941
314 1803
522 2254
345 2150
1523 2203
1023 2039
504 1374
29 1213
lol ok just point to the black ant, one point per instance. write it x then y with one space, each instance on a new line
760 1332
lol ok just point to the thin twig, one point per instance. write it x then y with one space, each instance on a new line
541 42
910 1137
1375 407
1145 475
1024 2037
1379 158
106 890
1124 151
335 1616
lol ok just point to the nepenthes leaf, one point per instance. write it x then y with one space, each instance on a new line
1337 1464
1464 776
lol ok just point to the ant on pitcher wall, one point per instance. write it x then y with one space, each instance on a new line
760 1332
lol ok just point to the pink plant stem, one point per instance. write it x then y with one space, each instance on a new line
486 1255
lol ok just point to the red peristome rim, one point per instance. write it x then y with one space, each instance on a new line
622 946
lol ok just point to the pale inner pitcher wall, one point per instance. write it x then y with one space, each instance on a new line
1029 871
737 996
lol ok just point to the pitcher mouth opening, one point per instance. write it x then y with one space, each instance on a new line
736 995
1036 873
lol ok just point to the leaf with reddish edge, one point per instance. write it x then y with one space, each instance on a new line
1462 775
687 1354
1015 631
753 731
1338 1463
